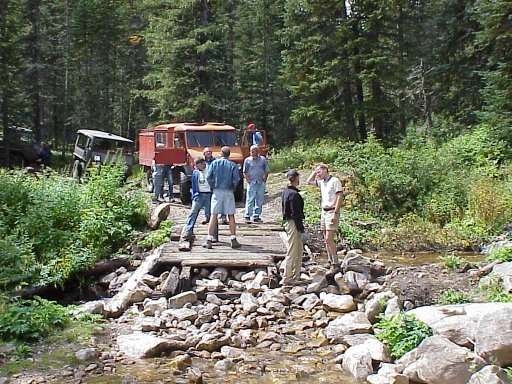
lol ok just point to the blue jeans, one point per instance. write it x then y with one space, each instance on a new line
254 199
160 174
203 200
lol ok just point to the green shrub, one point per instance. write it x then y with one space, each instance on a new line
452 261
453 296
51 227
30 320
501 255
402 333
158 237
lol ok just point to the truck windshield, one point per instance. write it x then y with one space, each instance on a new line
109 145
211 138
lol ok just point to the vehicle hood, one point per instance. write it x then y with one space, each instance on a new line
236 153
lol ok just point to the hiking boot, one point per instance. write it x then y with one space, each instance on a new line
235 244
205 221
247 220
208 244
224 221
215 240
257 220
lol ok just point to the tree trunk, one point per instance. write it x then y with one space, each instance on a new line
4 76
378 121
34 54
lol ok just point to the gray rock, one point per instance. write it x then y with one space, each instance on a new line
169 286
183 298
212 342
224 365
158 214
253 287
439 361
358 362
142 345
338 303
490 374
319 280
180 314
249 302
248 276
219 273
355 281
154 306
275 306
341 283
356 263
95 307
150 324
310 302
232 353
493 340
392 307
504 271
273 295
388 374
214 299
214 285
348 324
107 279
377 304
86 354
150 280
119 281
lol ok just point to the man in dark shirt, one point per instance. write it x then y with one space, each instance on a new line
293 216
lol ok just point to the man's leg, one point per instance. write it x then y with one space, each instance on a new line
188 229
293 259
217 206
331 247
169 182
158 182
249 201
259 197
207 207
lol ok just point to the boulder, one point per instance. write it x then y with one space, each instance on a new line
95 307
232 353
219 273
377 304
158 214
504 271
150 324
151 307
150 280
358 362
490 374
439 361
249 302
142 345
388 374
348 324
183 298
355 281
338 303
180 314
310 302
212 342
356 262
86 354
493 339
318 280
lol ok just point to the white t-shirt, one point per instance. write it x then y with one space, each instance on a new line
202 182
329 188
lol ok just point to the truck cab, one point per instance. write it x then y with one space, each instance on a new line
179 144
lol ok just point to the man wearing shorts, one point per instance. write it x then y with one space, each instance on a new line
223 177
332 200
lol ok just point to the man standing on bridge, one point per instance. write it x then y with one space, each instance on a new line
223 178
255 173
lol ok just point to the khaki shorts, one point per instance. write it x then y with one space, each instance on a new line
326 219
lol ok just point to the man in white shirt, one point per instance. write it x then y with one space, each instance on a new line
332 200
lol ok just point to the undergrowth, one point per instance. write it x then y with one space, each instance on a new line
402 333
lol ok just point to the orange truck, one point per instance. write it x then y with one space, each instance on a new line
179 144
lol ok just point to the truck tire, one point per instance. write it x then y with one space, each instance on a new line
185 194
78 170
239 191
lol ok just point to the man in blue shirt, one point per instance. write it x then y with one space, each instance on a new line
223 177
255 173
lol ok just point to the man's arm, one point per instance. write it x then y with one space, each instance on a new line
312 178
245 171
266 169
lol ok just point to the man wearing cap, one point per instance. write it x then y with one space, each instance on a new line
332 200
256 137
223 177
255 172
293 217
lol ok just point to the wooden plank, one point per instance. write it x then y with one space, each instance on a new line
180 257
227 263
